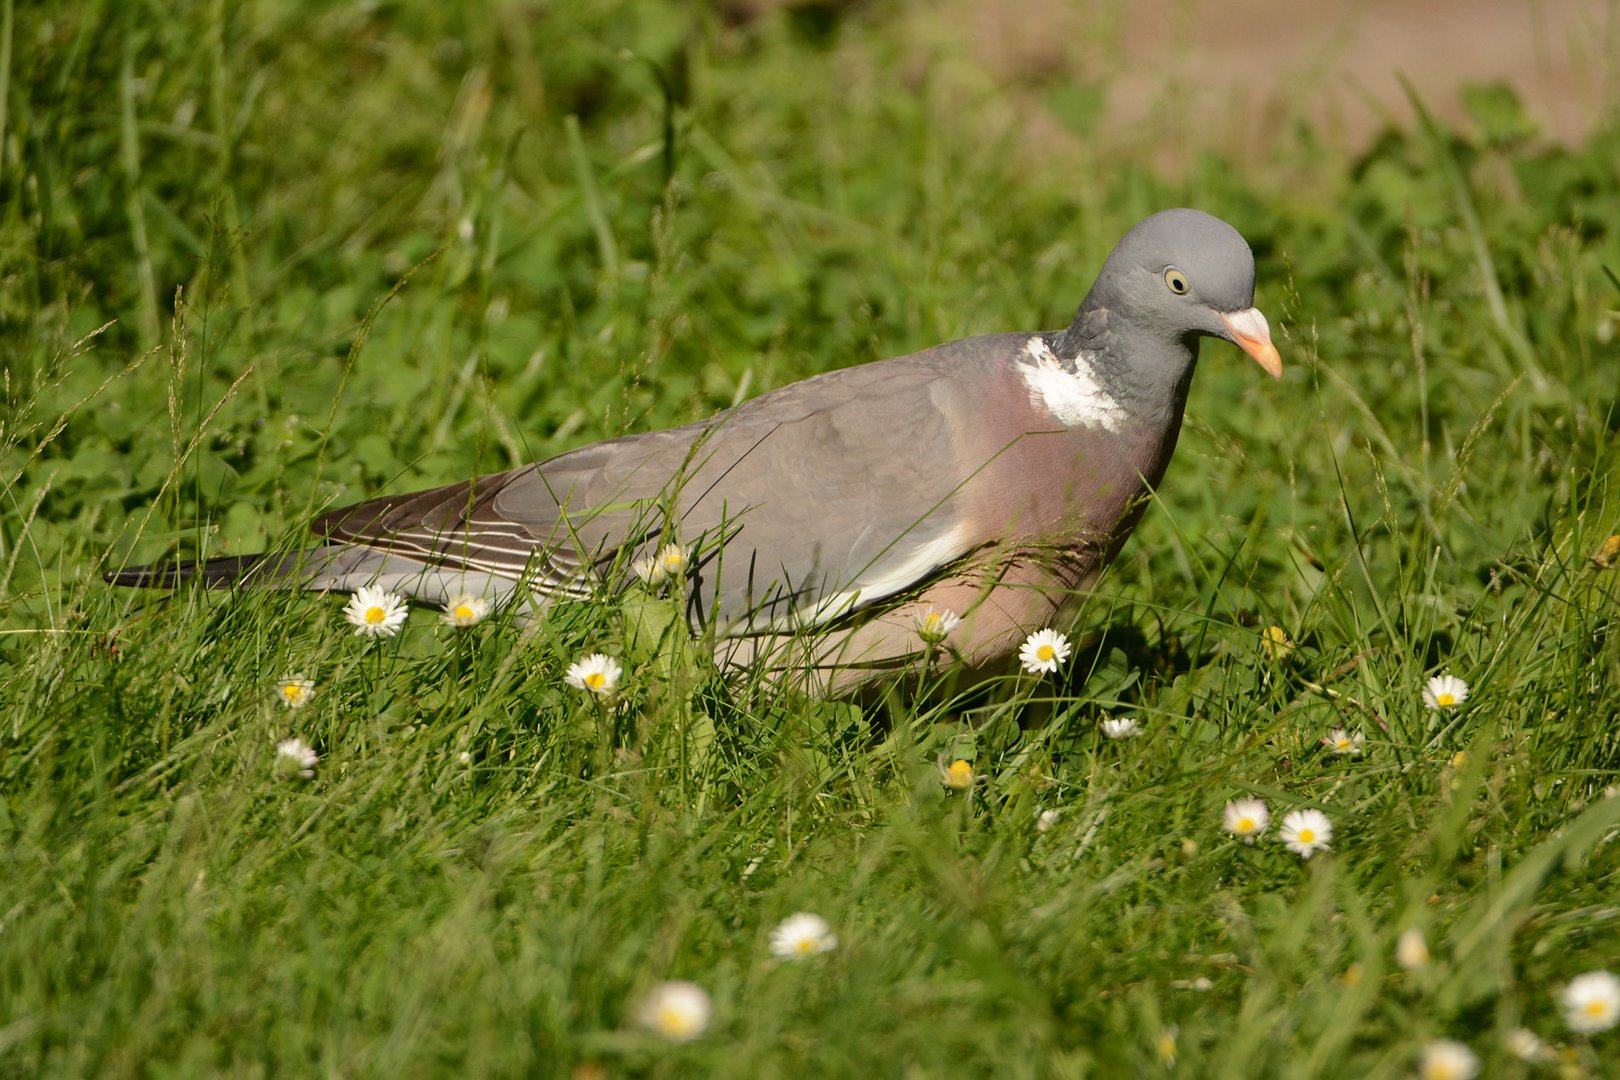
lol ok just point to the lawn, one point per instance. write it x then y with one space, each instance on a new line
260 259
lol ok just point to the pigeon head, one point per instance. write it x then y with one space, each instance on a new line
1183 274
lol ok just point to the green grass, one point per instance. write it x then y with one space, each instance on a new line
615 217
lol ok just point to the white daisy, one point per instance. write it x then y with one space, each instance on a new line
677 1010
1445 692
958 775
1525 1045
1591 1002
375 611
295 759
668 563
1341 741
1246 819
596 673
802 935
933 624
1306 832
1121 727
1412 950
1446 1059
1046 819
1043 651
294 691
467 609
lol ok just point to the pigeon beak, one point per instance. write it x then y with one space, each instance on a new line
1250 333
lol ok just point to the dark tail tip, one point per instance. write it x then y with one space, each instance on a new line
216 573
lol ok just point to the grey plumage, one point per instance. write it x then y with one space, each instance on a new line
992 476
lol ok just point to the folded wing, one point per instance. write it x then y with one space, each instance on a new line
800 506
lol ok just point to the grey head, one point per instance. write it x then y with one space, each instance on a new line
1176 276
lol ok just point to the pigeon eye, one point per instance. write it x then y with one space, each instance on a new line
1177 281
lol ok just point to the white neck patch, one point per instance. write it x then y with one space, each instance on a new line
1077 398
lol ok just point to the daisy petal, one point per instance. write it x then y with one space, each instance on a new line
677 1010
1043 651
1246 819
596 674
801 935
375 612
1445 692
1305 832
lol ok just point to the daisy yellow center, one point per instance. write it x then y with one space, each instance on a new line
375 614
1597 1008
674 562
463 611
933 622
1307 836
673 1020
1045 652
596 680
1343 744
292 691
805 945
1245 824
1445 698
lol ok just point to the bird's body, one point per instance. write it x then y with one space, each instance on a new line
990 477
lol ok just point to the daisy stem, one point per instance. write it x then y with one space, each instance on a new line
462 655
604 737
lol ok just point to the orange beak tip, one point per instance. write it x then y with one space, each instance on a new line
1266 355
1249 331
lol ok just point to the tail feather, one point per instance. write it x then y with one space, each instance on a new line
325 567
339 567
217 573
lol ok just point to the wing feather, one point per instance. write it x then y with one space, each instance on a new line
801 506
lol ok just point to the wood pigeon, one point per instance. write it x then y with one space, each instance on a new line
814 528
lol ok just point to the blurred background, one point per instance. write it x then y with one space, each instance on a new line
1174 77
